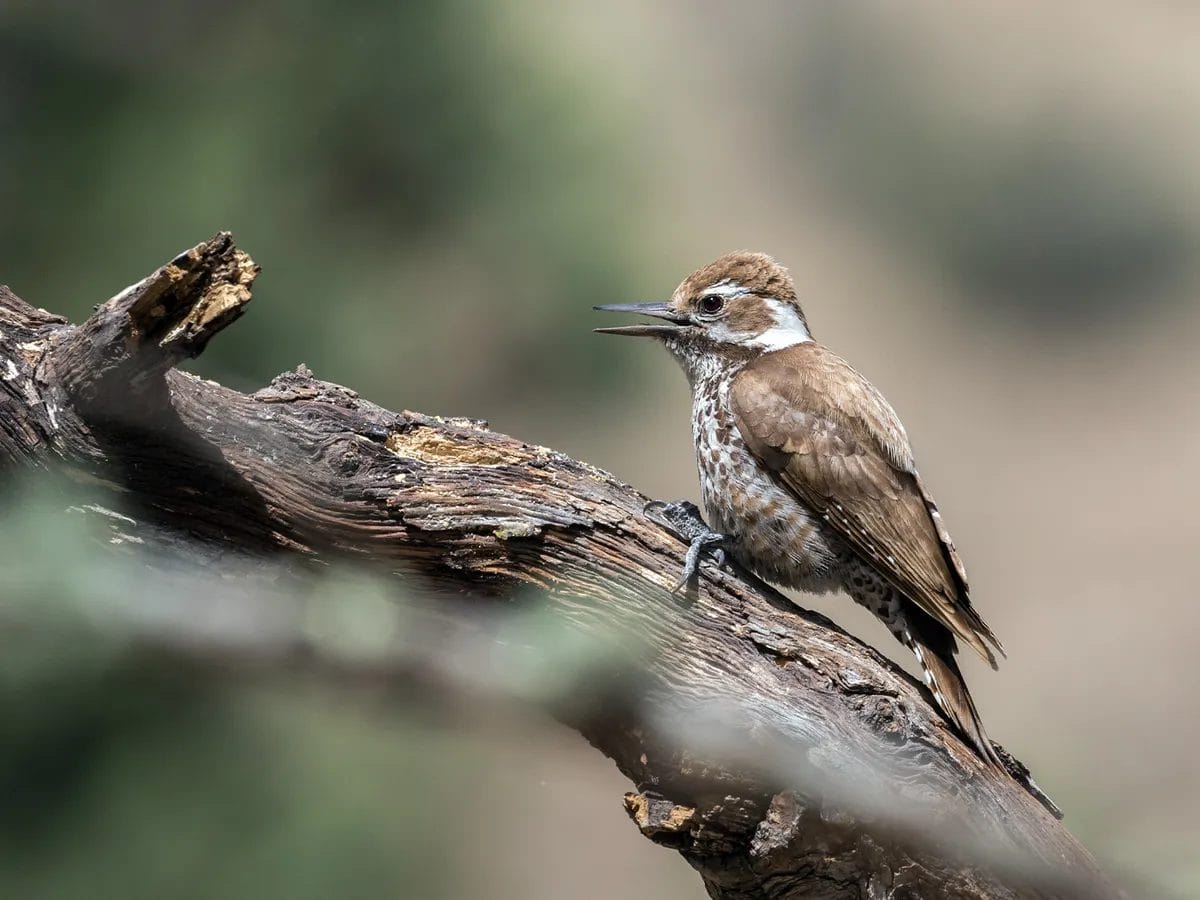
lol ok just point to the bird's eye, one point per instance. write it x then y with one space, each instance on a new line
712 304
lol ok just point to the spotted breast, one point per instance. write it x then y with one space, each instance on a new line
771 533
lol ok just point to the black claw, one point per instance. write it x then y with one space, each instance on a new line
682 518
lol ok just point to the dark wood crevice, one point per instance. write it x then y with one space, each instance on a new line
780 756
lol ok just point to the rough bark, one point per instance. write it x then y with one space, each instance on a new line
780 756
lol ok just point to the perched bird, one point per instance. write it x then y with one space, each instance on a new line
806 472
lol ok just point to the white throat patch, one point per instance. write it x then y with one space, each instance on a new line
788 330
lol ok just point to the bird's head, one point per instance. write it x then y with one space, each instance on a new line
736 308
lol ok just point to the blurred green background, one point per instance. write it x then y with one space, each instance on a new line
992 210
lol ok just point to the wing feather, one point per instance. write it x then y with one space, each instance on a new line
836 443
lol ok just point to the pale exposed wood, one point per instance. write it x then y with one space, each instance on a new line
781 757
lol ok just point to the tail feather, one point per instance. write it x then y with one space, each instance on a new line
934 648
945 681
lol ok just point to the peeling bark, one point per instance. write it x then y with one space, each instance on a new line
780 756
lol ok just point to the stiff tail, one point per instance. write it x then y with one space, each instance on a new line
943 678
934 648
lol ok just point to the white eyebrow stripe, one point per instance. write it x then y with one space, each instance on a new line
725 288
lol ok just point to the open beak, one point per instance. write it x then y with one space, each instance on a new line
656 310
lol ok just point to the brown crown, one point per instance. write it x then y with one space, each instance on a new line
756 272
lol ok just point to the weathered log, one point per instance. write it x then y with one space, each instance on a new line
780 756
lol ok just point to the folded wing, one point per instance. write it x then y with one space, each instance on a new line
838 446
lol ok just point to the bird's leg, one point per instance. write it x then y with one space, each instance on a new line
682 518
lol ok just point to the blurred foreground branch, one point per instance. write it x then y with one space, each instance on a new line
780 756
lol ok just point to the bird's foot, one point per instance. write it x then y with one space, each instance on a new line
682 518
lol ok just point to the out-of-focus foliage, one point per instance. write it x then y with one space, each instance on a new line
1048 213
386 161
131 767
123 776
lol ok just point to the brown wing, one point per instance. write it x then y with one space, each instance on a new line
836 443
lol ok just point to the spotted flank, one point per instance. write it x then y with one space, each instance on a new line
768 530
931 643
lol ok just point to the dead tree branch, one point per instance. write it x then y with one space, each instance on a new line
781 757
